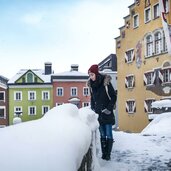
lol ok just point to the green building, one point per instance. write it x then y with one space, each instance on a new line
30 93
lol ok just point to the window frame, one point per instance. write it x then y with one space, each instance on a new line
135 21
59 91
30 97
147 107
85 104
3 92
29 110
15 95
45 94
130 81
130 106
147 16
72 93
86 91
156 10
4 112
43 109
16 110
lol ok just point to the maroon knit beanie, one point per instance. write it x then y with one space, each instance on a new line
94 69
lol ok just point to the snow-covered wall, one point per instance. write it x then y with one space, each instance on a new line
56 142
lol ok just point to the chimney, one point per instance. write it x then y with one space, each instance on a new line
48 68
74 67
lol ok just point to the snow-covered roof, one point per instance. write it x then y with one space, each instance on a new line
161 103
38 72
4 86
71 73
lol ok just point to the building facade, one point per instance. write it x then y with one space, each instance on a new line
71 87
144 64
3 102
30 94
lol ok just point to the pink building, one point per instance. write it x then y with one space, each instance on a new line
71 87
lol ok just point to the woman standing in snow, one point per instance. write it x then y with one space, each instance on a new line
103 99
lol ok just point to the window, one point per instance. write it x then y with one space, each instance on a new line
18 95
2 112
45 95
135 21
86 104
73 91
130 81
157 43
156 13
166 75
129 56
31 95
18 110
149 78
59 91
147 105
86 91
130 106
30 77
2 96
147 15
149 45
45 109
32 110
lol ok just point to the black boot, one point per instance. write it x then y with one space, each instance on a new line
109 144
103 147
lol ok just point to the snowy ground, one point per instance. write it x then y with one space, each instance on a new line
149 150
59 140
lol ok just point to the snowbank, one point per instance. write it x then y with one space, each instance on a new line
58 141
161 103
159 126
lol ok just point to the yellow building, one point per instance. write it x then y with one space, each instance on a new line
144 64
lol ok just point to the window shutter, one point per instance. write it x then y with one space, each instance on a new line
134 107
133 55
133 81
126 58
154 78
145 106
126 82
126 107
160 76
145 80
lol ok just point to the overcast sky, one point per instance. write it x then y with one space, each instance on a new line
63 32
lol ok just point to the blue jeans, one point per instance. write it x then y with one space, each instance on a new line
106 131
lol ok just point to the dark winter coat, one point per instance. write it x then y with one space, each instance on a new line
100 99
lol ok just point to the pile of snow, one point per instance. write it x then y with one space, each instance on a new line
58 141
160 125
161 103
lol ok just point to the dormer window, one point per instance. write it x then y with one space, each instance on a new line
30 78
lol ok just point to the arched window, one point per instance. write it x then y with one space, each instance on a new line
149 45
30 77
157 42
